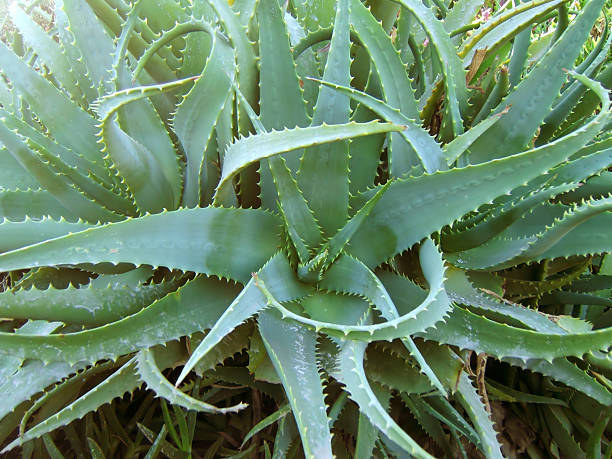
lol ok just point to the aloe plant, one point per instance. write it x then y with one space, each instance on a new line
398 215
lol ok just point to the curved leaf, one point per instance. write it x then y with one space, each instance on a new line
222 242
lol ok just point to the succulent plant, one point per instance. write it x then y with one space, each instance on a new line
396 214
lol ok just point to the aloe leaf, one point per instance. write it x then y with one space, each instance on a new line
207 240
66 122
367 434
486 181
430 424
31 378
151 175
89 305
461 290
58 186
12 175
530 102
156 447
17 205
248 150
65 391
442 409
395 372
301 225
394 81
573 93
424 315
324 168
245 55
460 144
151 375
89 186
499 220
336 244
248 303
178 314
37 139
9 364
450 65
123 380
92 40
589 238
462 13
469 399
425 147
350 372
557 424
349 275
194 126
523 344
48 50
281 101
504 26
530 246
594 442
17 234
292 350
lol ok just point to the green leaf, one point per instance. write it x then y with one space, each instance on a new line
589 238
57 185
519 343
424 146
48 50
292 350
178 314
396 223
530 102
94 43
90 305
245 54
122 381
17 205
350 372
281 101
266 422
151 375
248 150
505 25
450 65
248 303
65 120
324 168
394 81
513 248
193 126
16 234
469 399
209 240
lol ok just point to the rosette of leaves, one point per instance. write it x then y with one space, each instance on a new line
361 204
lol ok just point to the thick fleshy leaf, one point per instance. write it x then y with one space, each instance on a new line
249 302
151 375
324 169
222 242
396 223
530 102
178 314
248 150
292 350
194 126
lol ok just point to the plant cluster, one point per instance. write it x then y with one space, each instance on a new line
384 225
